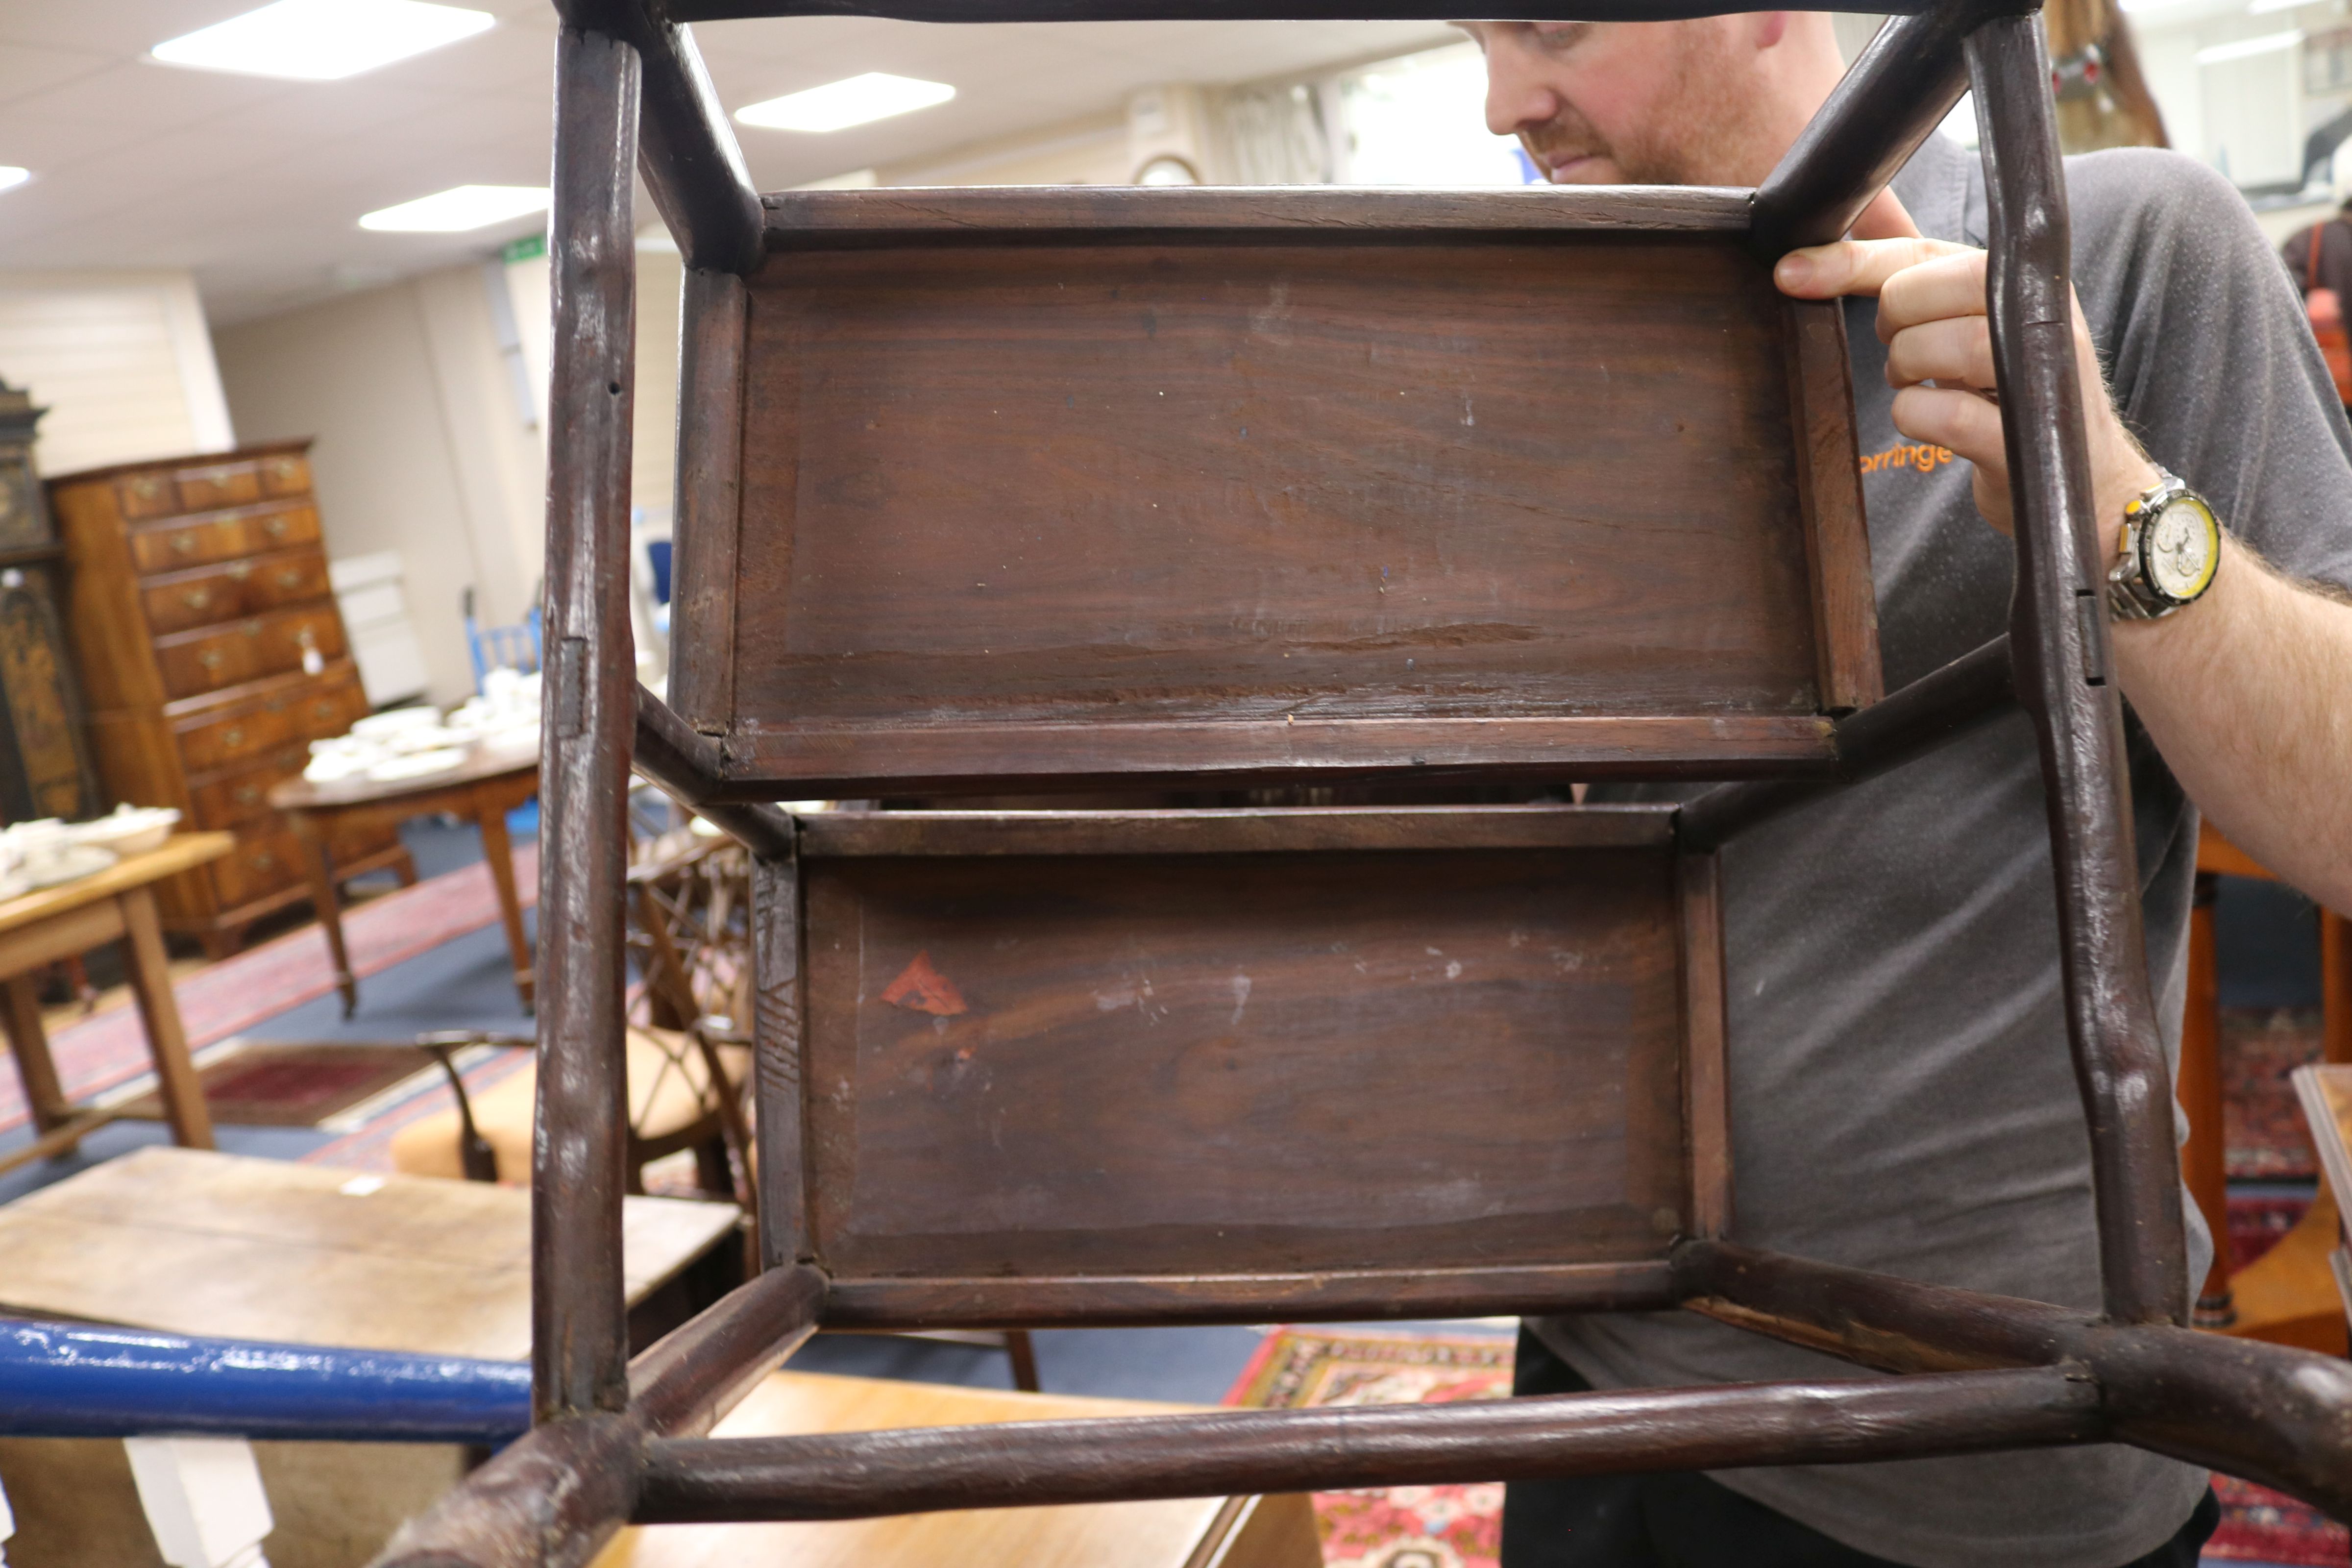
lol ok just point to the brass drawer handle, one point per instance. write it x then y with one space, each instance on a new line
240 570
147 488
210 659
285 467
186 543
248 794
322 710
251 628
264 861
274 526
291 578
233 738
196 598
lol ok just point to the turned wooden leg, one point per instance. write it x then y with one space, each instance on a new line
150 982
328 900
36 1069
499 853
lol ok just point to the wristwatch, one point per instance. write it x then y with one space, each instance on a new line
2171 546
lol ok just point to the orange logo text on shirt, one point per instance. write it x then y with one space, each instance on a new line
1927 459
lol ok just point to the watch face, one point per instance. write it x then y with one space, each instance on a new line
2181 548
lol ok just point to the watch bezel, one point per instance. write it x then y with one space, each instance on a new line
2134 592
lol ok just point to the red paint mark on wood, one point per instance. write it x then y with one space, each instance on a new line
924 989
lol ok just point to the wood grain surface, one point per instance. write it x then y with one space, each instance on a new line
190 1242
1237 1064
1008 507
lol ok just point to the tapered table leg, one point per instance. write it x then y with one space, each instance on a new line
150 982
44 1096
490 813
324 898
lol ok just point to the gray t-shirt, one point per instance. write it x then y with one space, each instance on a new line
1902 1095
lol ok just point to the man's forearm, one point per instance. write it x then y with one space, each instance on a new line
2248 693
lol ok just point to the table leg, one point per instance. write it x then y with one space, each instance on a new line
491 816
44 1096
151 981
329 904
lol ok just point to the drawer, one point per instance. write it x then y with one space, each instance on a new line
206 660
182 544
327 709
237 738
222 484
286 474
281 526
146 495
266 858
208 595
243 796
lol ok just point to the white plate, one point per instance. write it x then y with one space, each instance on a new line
70 864
416 765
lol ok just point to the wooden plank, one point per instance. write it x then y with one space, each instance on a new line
1706 1095
709 508
189 1242
1102 1300
1203 505
806 220
1234 832
1243 1064
851 761
1829 487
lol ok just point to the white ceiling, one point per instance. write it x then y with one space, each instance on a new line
257 186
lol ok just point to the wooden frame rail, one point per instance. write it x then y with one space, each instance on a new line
615 1441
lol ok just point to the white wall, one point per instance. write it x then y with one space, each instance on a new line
122 361
420 446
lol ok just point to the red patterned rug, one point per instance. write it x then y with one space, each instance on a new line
1461 1527
110 1050
369 1148
1396 1527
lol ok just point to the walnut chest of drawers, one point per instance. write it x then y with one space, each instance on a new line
213 654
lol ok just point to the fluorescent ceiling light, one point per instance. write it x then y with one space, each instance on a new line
462 208
11 175
2264 8
322 40
2246 48
837 105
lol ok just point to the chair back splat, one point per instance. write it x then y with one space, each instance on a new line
1074 492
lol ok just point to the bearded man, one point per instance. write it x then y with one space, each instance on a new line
1903 1096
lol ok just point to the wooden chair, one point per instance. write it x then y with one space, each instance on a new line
986 491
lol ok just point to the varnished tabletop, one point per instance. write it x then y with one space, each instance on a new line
177 853
482 762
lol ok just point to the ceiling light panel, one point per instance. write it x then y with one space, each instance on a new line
838 105
460 208
11 175
322 40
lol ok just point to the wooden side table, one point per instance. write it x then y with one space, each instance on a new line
485 788
1178 1532
63 921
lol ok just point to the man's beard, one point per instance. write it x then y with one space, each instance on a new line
1696 133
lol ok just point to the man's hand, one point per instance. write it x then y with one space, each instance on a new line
1931 317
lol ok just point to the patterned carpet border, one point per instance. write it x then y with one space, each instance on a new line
110 1050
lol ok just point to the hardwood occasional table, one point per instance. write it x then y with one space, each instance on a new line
487 785
58 923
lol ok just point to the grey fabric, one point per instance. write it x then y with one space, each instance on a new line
1903 1096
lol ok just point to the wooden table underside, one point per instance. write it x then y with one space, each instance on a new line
484 789
42 927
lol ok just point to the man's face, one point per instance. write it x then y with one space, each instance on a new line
1599 103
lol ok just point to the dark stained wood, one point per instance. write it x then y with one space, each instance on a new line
804 220
776 1053
691 164
846 1475
684 764
550 1500
1201 10
681 1385
1706 1093
1517 501
1093 1300
1898 90
2058 633
1234 832
1828 492
1933 710
579 1337
1286 1063
709 508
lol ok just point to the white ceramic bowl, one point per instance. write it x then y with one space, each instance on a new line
128 830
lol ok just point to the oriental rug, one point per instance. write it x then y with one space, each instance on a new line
109 1050
2265 1132
270 1084
1462 1526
